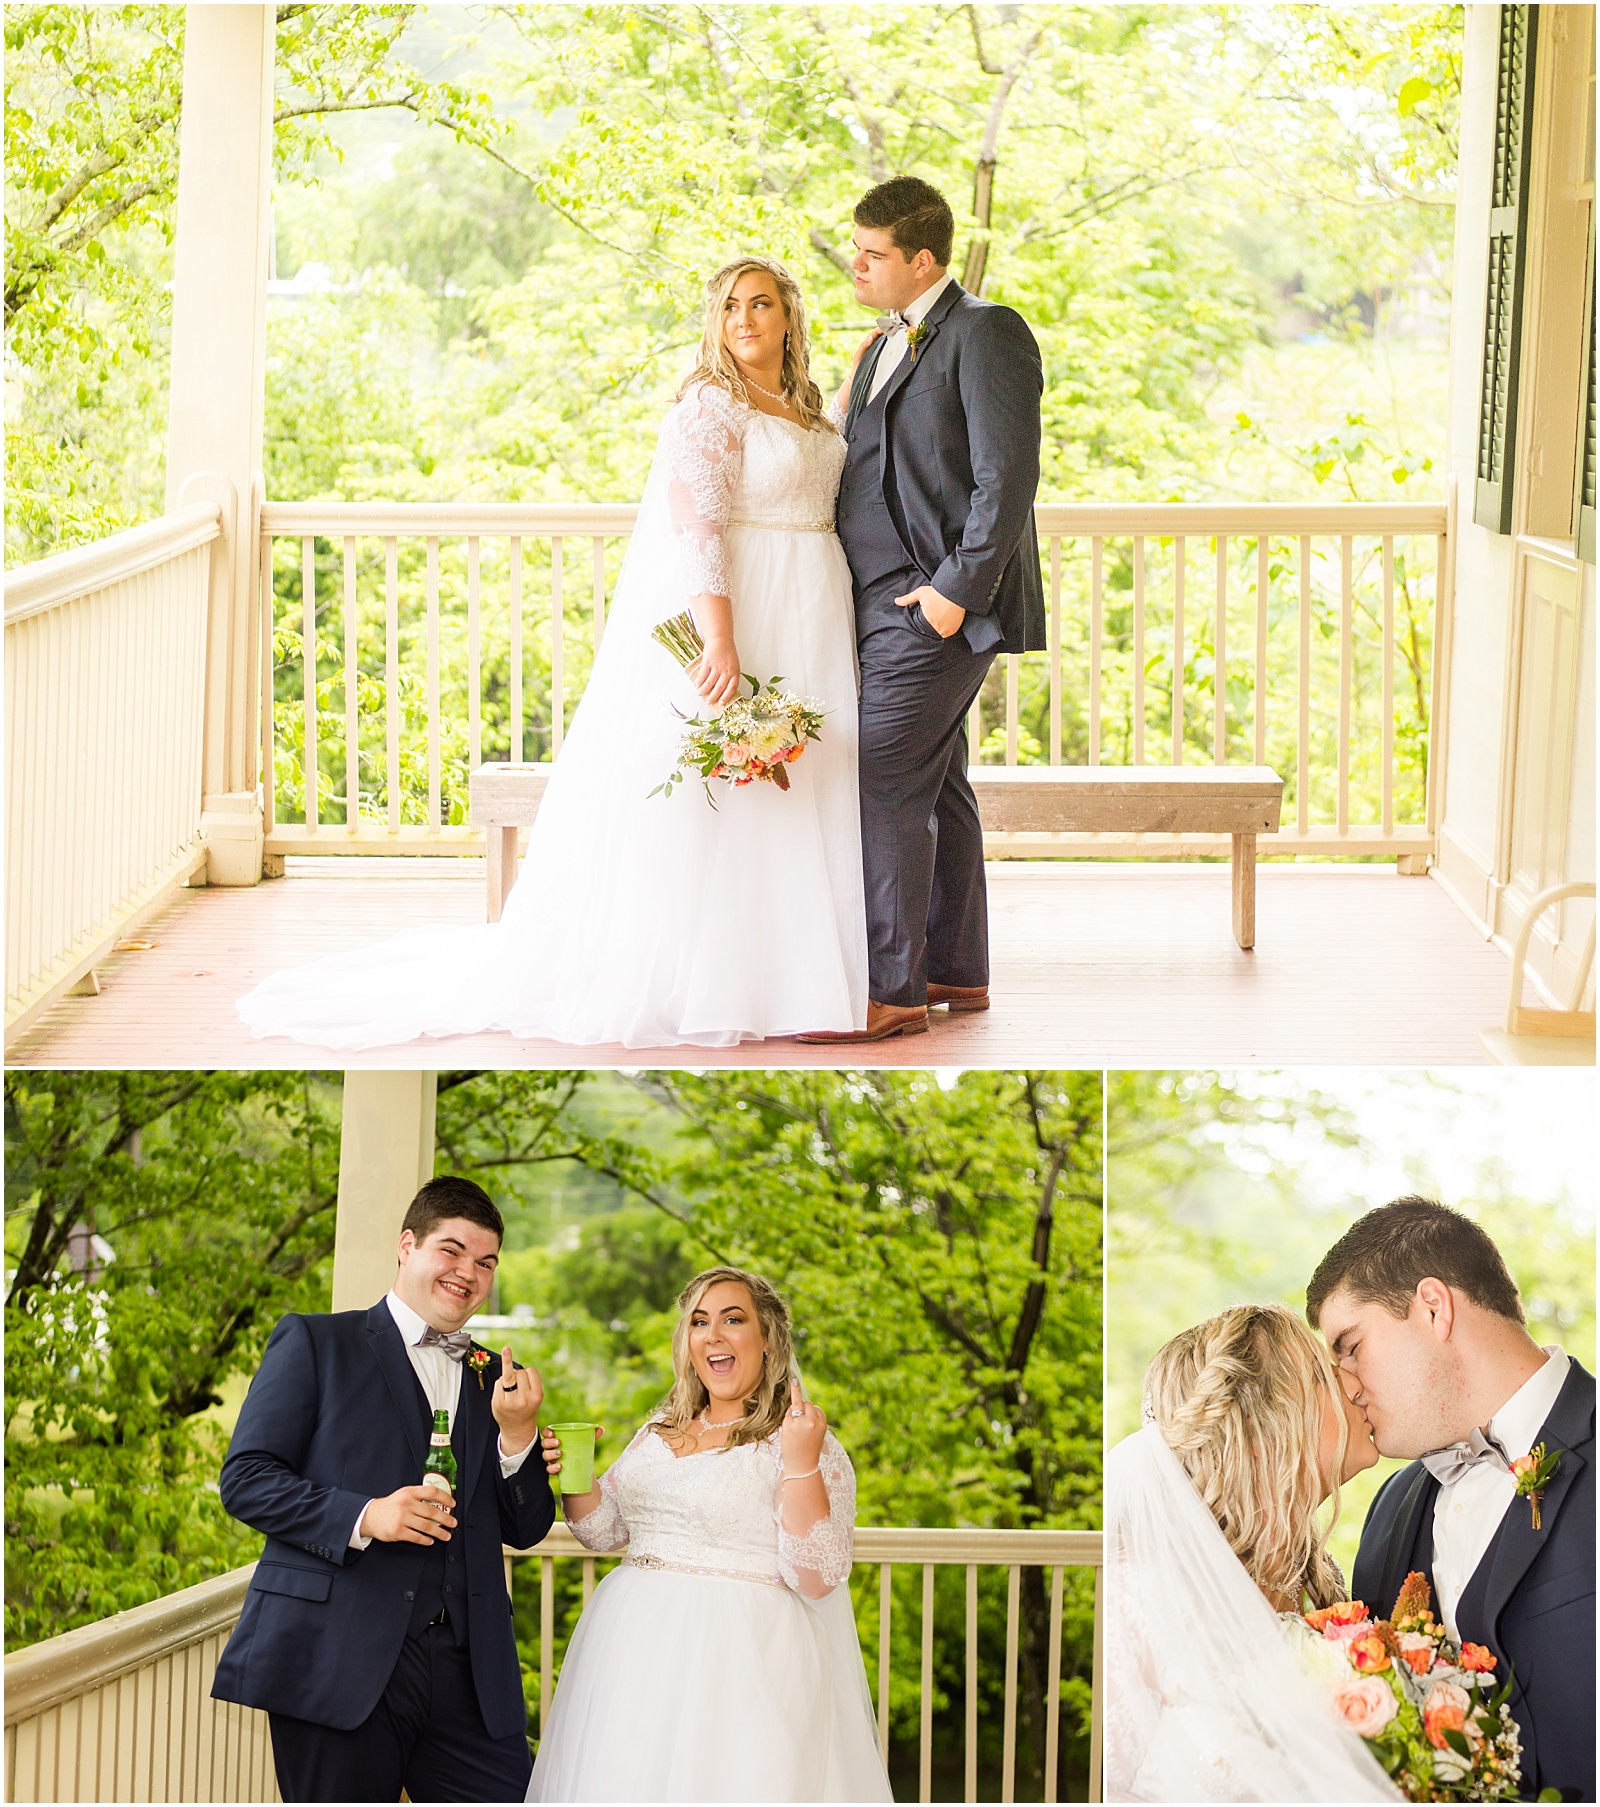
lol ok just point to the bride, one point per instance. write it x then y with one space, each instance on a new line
649 920
719 1660
1211 1533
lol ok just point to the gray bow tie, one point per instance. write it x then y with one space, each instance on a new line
894 321
1452 1462
455 1343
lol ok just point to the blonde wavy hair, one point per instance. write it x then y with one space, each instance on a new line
715 363
767 1404
1240 1400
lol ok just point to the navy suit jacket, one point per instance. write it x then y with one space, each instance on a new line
1530 1599
335 1417
961 439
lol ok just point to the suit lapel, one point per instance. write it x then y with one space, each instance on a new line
1515 1545
1411 1546
901 373
469 1436
389 1351
862 386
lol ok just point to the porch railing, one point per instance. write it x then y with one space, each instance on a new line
105 697
122 1710
1304 636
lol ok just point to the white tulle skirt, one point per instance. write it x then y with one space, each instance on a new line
680 1687
641 920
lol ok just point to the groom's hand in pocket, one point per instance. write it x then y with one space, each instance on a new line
945 618
518 1394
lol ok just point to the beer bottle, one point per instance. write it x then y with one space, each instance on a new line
440 1468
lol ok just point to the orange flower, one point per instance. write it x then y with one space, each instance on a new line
1477 1659
1524 1465
1342 1612
1368 1654
1446 1711
1416 1651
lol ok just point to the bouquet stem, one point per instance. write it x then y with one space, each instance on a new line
681 638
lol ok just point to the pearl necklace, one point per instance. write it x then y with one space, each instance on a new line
776 395
726 1425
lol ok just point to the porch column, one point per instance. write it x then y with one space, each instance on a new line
385 1154
219 321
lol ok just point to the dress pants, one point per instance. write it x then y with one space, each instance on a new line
921 839
426 1735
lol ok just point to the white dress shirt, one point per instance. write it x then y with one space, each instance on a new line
894 348
1467 1512
441 1381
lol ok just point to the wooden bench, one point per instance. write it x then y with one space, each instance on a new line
1241 801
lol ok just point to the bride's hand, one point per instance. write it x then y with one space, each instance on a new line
715 674
864 347
800 1439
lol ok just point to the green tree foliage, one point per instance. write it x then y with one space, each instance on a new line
214 1194
93 102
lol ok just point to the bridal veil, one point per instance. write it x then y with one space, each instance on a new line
1206 1700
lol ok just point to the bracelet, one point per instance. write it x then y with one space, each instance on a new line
803 1477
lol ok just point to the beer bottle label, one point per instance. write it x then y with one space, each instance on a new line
439 1440
432 1478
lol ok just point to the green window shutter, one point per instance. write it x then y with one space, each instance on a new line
1583 508
1508 219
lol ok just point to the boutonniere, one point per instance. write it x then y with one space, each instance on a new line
477 1361
1533 1474
914 337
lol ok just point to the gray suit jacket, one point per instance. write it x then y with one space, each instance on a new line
960 462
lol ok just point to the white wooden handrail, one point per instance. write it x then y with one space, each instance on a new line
1573 1020
1132 589
122 1710
52 581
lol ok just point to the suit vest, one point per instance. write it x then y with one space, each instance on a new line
872 537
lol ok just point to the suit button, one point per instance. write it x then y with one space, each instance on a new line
410 1595
449 1558
448 1589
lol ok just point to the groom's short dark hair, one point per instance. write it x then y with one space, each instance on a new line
452 1196
1382 1257
914 214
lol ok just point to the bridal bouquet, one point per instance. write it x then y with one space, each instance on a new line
752 740
1428 1707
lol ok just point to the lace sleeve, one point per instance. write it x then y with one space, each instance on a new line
704 449
605 1528
824 1551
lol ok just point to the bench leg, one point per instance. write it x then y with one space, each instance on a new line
500 844
1244 890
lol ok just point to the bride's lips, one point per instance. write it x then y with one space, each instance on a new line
720 1364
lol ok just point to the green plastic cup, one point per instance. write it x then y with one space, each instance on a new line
577 1456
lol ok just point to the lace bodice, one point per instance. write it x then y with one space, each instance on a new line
721 1511
729 465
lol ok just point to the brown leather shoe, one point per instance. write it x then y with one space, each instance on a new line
959 997
883 1021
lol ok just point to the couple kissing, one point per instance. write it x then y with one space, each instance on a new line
1240 1666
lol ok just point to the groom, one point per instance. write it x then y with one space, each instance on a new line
377 1633
1421 1315
935 514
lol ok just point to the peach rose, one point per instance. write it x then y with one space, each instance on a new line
1524 1465
1368 1654
1365 1704
1477 1659
1446 1711
1342 1612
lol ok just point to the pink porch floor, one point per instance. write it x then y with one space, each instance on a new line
1093 965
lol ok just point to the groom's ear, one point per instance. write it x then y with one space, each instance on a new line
1438 1303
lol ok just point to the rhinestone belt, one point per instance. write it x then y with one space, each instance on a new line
787 526
694 1568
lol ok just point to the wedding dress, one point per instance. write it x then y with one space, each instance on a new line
1208 1696
697 1672
647 920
